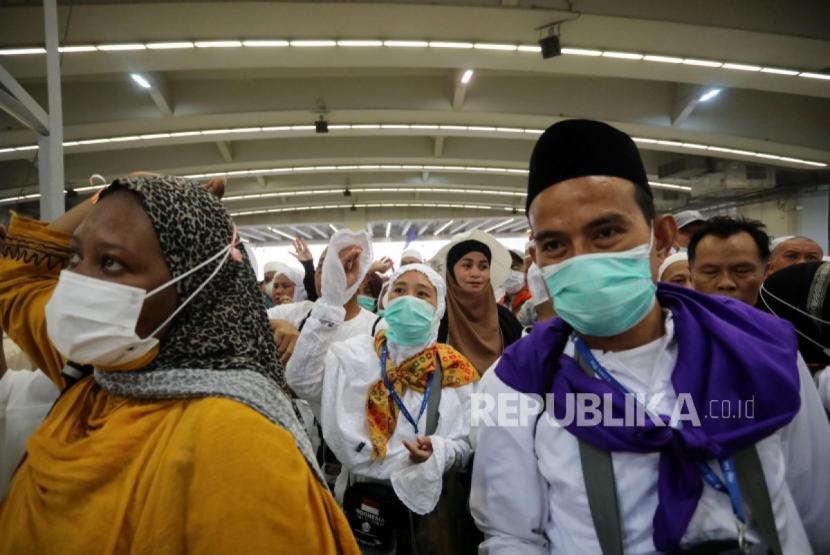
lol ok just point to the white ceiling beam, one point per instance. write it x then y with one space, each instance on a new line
36 116
684 102
225 150
438 147
256 234
21 113
460 227
319 232
459 91
300 232
160 94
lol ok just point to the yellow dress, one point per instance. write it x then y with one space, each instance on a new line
107 474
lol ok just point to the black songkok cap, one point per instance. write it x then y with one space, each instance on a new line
581 147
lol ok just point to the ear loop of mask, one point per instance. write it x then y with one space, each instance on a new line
230 251
764 290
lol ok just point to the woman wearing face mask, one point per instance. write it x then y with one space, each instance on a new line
475 323
369 292
516 291
375 395
175 410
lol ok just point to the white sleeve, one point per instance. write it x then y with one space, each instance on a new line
824 388
304 372
509 495
806 444
480 386
419 485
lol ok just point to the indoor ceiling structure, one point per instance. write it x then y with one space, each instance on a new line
419 115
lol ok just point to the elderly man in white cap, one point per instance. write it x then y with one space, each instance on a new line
675 270
688 221
411 256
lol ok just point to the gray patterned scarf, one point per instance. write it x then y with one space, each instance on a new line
220 344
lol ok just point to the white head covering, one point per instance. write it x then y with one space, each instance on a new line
778 240
676 257
400 353
294 275
412 253
272 266
687 217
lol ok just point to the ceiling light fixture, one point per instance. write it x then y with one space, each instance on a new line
389 128
142 82
467 76
707 96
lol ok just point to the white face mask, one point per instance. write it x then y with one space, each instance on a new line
93 321
515 282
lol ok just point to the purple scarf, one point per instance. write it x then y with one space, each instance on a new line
727 351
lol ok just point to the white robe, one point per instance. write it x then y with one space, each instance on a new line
25 400
528 493
337 377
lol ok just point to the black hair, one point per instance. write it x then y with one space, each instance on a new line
645 202
724 227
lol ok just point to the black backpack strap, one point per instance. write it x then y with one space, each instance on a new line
601 488
434 398
756 496
375 325
304 320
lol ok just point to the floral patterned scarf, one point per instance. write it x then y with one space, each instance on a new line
381 410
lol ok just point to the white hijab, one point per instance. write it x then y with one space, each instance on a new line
399 353
294 275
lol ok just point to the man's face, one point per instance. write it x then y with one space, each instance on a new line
729 266
593 214
684 235
678 274
794 251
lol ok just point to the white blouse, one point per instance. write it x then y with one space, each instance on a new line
337 377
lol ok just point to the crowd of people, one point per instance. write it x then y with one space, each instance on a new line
633 382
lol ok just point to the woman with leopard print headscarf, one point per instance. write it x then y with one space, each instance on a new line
181 437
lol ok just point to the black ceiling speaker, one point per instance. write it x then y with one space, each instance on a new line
551 47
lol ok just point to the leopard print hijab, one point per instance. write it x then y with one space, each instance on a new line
220 344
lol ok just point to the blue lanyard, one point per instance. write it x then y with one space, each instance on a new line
394 395
726 464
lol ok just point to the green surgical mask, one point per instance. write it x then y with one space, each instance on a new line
366 302
603 294
410 321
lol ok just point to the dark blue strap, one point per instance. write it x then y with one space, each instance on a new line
383 354
727 466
